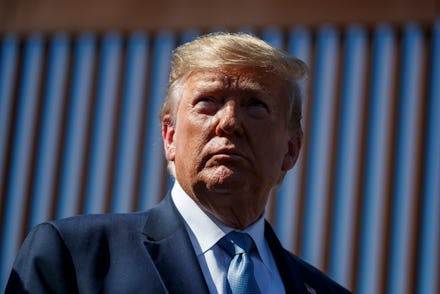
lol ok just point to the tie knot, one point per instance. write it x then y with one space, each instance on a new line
237 243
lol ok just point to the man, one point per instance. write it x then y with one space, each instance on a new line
231 130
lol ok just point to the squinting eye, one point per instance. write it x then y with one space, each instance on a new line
256 107
205 99
256 103
206 105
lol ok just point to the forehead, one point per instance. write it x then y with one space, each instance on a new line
237 79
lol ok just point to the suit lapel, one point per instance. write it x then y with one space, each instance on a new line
171 250
173 255
290 275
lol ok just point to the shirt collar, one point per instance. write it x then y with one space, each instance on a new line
208 231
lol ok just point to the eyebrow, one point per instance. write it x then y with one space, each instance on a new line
246 85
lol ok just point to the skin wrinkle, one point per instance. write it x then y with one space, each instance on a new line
234 184
175 89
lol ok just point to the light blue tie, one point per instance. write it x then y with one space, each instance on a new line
240 274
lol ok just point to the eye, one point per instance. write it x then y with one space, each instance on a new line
206 104
257 107
256 103
206 99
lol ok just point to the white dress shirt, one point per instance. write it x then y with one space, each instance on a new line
204 231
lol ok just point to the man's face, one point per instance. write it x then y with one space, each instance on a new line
230 142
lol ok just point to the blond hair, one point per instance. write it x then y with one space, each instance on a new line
223 50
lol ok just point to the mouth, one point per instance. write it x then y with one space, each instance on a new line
227 151
227 155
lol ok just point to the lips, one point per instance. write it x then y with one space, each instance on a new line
221 151
227 151
227 154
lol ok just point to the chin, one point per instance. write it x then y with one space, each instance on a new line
224 179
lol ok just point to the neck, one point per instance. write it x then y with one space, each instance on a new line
235 208
234 211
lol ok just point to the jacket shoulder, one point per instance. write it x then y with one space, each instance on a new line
299 275
86 254
81 233
314 278
86 222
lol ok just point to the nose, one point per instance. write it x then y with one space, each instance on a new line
229 120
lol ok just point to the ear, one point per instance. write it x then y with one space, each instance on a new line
293 148
168 131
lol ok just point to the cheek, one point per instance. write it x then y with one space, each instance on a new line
271 154
190 140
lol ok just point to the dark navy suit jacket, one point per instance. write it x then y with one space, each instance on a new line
148 252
